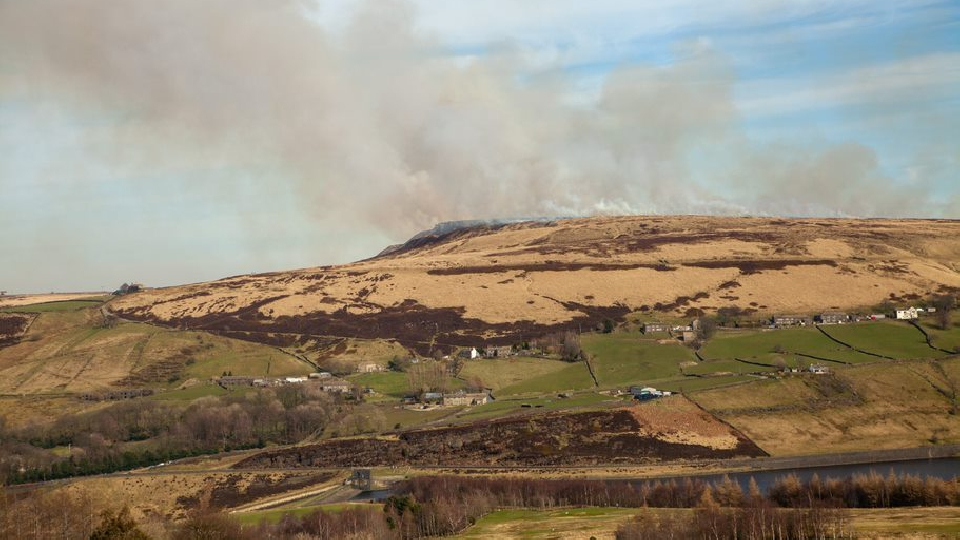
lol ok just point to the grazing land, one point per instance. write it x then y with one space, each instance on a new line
744 390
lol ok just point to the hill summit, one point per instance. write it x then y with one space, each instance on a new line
501 281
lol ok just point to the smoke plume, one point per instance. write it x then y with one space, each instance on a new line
373 124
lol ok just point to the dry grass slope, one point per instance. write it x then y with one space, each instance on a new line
526 277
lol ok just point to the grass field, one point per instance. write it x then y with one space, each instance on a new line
543 524
391 384
509 406
935 522
574 376
498 374
882 405
944 339
192 393
71 352
763 347
622 359
54 307
894 339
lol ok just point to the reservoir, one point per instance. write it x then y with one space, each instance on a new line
944 468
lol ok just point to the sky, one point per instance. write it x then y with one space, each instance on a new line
182 141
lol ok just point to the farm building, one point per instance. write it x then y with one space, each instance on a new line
469 354
499 351
907 314
333 384
789 320
655 327
461 399
369 367
833 317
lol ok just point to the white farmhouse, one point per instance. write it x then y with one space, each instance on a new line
907 314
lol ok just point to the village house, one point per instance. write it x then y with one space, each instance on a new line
819 370
464 399
781 321
688 336
232 381
335 385
907 314
498 351
369 367
649 328
432 397
833 317
469 354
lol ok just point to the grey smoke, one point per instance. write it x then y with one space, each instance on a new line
372 125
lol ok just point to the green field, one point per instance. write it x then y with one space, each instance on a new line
574 376
763 346
944 339
622 359
192 393
508 406
894 339
556 523
393 384
54 307
725 366
501 373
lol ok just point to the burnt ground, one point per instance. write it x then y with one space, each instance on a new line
413 325
559 439
12 327
236 490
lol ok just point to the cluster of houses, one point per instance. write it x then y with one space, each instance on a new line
115 395
689 332
326 381
839 317
459 398
685 332
493 351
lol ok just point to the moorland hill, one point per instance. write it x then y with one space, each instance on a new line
501 281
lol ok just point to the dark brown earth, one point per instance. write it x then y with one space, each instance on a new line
236 490
559 439
415 326
12 327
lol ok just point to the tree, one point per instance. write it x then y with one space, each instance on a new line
607 326
707 328
571 350
118 526
945 305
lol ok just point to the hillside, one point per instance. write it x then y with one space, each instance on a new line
502 281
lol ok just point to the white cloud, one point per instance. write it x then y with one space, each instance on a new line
917 81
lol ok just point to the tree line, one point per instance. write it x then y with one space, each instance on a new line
432 506
142 432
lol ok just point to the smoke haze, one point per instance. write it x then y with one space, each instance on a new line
372 126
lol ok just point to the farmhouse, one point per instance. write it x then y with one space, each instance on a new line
231 381
833 317
369 367
789 320
469 354
907 314
499 351
461 399
335 385
655 327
